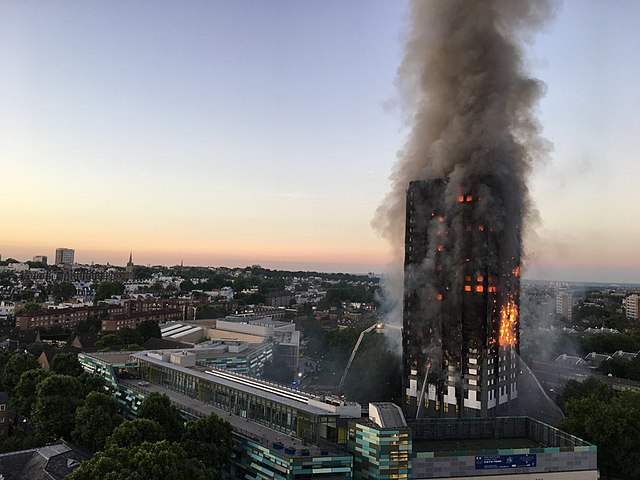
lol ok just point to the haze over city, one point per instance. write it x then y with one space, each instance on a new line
233 133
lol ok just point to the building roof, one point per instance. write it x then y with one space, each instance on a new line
387 415
163 343
261 388
52 461
628 356
570 360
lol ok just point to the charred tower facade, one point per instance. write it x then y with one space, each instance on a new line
461 298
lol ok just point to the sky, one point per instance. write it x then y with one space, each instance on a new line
243 132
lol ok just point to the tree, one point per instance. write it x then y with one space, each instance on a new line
90 325
186 286
209 440
95 420
30 307
107 289
129 335
375 374
24 395
62 291
574 390
108 341
149 461
66 364
135 432
15 367
209 311
318 341
57 398
158 407
611 425
91 383
148 329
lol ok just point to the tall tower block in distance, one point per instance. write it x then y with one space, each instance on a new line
461 297
65 256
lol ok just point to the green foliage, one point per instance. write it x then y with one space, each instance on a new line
619 322
345 292
148 329
216 282
209 440
30 307
621 368
135 432
612 425
107 289
142 273
15 367
187 286
62 291
4 358
250 299
574 390
603 343
376 372
129 335
110 340
57 398
22 441
158 408
24 395
36 348
209 311
95 420
91 383
66 364
90 325
149 461
318 340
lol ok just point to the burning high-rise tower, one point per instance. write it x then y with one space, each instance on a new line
460 325
461 184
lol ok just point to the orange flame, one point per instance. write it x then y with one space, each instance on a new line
508 321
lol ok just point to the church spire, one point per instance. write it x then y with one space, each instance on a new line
130 263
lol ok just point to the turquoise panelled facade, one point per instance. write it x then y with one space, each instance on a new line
380 453
249 364
255 461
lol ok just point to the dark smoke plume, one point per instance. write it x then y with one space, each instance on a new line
470 106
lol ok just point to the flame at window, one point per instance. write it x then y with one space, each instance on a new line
508 321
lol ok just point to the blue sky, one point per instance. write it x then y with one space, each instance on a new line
235 132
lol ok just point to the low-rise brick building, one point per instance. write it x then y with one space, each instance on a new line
116 322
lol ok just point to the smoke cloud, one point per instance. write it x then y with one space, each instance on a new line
469 102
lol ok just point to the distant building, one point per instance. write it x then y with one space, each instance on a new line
65 318
596 359
564 304
132 320
40 259
65 256
632 306
280 299
130 266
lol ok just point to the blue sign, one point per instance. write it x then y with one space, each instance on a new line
505 461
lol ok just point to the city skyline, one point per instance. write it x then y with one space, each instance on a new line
236 134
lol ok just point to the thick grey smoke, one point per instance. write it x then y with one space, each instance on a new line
470 103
